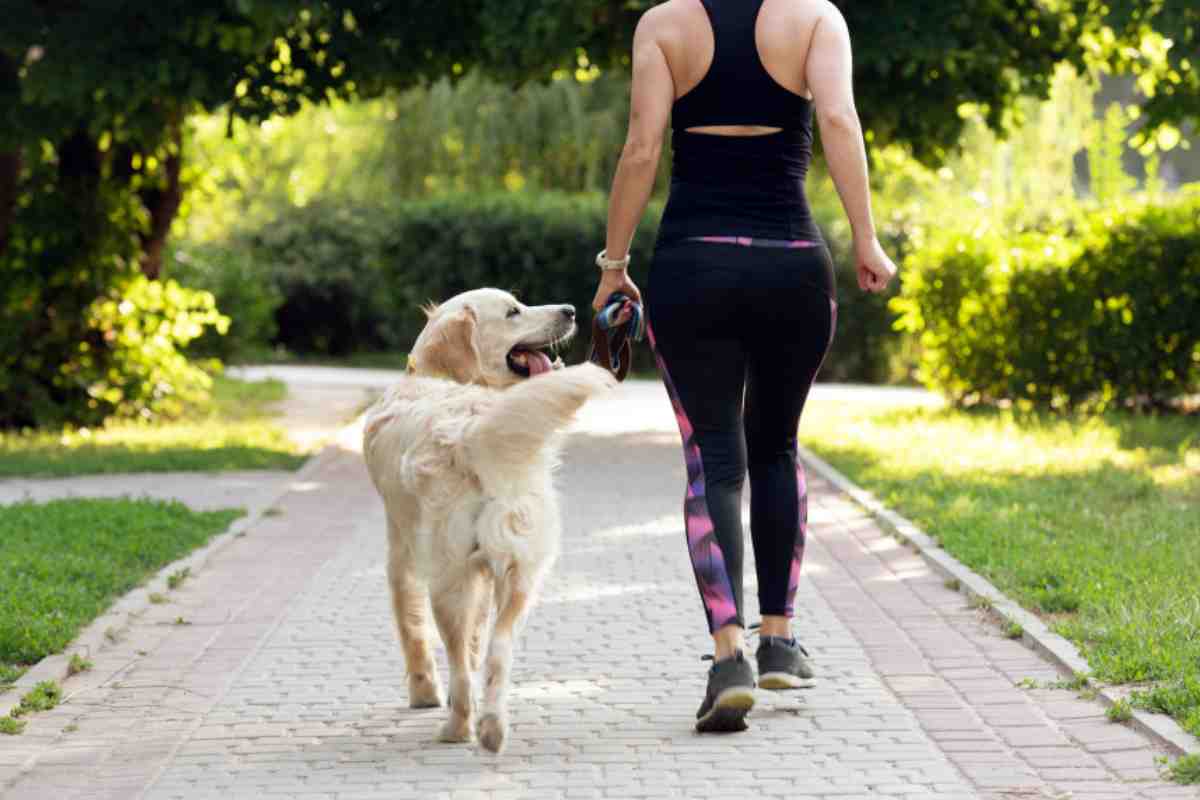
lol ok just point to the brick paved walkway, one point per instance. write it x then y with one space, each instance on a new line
286 679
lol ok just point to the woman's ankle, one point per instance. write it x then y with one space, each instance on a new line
777 626
728 642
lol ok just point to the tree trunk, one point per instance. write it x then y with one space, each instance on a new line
163 205
10 173
10 161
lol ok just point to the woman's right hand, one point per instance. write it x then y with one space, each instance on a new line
875 269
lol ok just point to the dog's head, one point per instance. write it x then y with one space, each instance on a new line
487 337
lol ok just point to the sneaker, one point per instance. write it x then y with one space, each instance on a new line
729 698
782 664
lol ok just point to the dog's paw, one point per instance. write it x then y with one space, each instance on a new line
423 692
455 730
589 379
493 730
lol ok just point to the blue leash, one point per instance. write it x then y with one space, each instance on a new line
634 327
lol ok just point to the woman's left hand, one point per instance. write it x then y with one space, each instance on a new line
615 280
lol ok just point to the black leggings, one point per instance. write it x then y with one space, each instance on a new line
739 333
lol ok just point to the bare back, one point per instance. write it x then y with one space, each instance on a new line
783 35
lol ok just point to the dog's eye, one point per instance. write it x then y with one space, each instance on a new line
514 311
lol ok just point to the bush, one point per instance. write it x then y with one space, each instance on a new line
132 364
352 278
244 295
1100 313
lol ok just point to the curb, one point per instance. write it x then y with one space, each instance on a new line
116 619
1048 644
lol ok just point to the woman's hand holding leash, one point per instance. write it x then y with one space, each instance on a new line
615 280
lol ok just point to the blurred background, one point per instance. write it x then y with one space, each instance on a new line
283 180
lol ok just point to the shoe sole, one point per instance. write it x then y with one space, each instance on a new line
776 681
728 714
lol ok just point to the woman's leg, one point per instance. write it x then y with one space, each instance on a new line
692 327
789 339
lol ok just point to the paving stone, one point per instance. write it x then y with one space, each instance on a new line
291 683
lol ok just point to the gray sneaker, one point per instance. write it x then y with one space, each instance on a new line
729 698
782 664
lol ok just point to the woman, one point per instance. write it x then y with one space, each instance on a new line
741 298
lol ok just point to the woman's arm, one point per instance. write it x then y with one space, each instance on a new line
829 76
651 96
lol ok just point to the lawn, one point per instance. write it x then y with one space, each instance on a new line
63 563
235 432
1094 523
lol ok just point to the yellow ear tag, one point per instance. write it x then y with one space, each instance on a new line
412 364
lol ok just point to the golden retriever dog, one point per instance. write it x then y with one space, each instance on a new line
461 451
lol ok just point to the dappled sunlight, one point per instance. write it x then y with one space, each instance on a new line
960 443
1090 522
551 690
583 594
671 525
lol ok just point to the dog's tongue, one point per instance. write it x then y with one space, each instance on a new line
538 363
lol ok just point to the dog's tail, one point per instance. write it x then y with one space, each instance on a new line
526 417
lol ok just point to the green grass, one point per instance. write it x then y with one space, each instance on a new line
235 432
1120 711
43 697
78 664
1094 523
63 563
1185 770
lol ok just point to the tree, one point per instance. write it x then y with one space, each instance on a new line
93 96
1159 41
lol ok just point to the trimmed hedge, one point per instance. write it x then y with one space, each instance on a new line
1107 313
351 279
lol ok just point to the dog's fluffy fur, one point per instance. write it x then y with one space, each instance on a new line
462 452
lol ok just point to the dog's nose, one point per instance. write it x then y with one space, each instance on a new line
569 312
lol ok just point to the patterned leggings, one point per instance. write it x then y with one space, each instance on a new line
739 328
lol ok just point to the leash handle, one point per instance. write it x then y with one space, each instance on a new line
607 318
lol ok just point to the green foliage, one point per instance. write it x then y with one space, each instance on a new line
11 726
1157 41
62 563
248 302
1120 711
473 135
78 664
1105 313
140 369
42 697
1185 769
354 277
236 430
120 355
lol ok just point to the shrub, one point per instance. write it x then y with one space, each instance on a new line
242 293
132 364
1103 312
352 277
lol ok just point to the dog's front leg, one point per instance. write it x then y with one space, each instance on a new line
455 606
512 603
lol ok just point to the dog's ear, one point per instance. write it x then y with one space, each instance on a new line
447 348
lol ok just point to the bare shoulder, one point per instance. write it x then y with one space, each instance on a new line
824 12
656 20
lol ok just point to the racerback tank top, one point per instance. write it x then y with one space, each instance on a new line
739 185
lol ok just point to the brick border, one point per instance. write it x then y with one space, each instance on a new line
1048 644
93 638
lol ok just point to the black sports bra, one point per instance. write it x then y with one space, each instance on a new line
738 90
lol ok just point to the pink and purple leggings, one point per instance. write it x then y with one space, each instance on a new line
739 328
